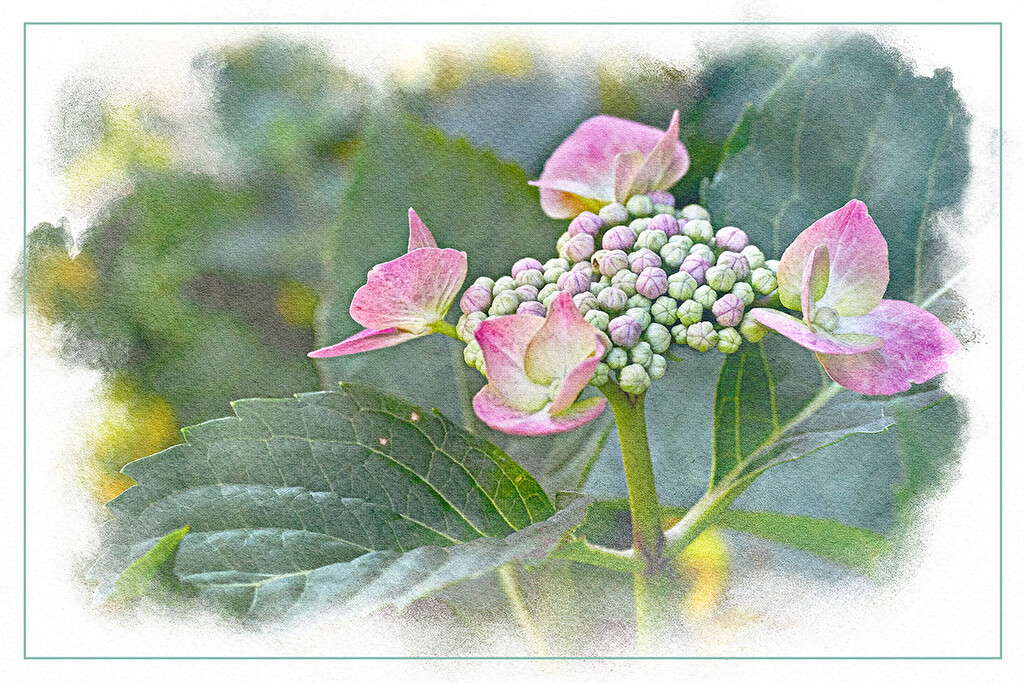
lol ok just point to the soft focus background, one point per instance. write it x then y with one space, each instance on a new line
200 213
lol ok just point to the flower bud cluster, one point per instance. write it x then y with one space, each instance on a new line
646 274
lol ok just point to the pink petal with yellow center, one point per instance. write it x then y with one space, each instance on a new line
564 341
504 341
916 349
820 342
491 407
581 172
411 292
578 378
859 261
367 340
419 236
815 281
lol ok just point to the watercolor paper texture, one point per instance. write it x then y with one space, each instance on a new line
574 390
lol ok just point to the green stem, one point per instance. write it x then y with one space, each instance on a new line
445 329
507 575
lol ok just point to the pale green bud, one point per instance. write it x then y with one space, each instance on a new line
484 281
764 280
633 379
695 212
658 336
626 281
672 254
613 214
505 303
639 225
772 265
681 240
679 333
472 354
752 330
689 312
612 299
729 340
721 278
704 250
602 373
598 319
699 230
503 284
533 278
468 324
527 292
664 208
826 318
640 205
641 354
681 286
651 239
563 239
701 336
557 263
755 257
664 310
705 296
617 358
599 286
552 274
639 301
744 292
586 302
639 315
658 367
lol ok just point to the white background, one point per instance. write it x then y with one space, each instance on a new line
948 608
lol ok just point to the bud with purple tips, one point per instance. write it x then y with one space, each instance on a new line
620 237
579 248
696 266
532 308
665 223
613 262
662 197
624 331
476 298
737 262
731 238
526 264
527 292
652 282
585 302
574 282
612 299
643 258
586 223
613 214
728 310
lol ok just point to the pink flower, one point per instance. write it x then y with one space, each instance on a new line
835 272
404 298
536 369
608 159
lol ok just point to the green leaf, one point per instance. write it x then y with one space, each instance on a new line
849 120
137 578
470 201
350 500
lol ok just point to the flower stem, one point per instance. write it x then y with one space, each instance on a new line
445 329
507 575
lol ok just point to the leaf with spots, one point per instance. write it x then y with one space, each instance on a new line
348 500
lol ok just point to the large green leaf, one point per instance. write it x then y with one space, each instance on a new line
850 120
346 500
470 201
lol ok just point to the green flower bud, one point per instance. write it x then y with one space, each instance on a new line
505 303
681 286
681 240
533 278
664 208
664 310
595 259
633 379
694 212
651 239
557 263
701 336
612 299
826 318
744 292
640 205
721 278
764 280
729 340
658 367
472 354
552 274
468 324
602 373
503 284
772 265
563 239
598 319
679 333
639 315
658 336
699 230
599 286
613 214
626 281
484 281
547 290
705 296
689 312
704 250
616 359
752 330
755 257
639 225
641 354
586 302
672 254
639 301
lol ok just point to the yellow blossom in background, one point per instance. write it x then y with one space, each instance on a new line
296 303
58 278
509 58
705 563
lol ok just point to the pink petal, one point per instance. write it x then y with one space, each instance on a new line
492 409
577 378
662 163
626 166
796 330
367 340
504 341
564 341
815 280
916 347
859 261
419 236
584 164
411 292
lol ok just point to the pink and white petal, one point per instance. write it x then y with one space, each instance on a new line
367 340
795 330
411 292
577 378
815 280
564 341
627 165
558 204
665 164
419 236
858 255
916 349
496 413
504 341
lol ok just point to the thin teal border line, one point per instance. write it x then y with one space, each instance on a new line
25 327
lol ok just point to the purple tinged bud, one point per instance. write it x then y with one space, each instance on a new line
696 265
526 264
728 310
526 293
574 282
665 223
476 298
580 248
624 331
585 302
736 262
652 282
612 299
662 197
643 258
532 308
620 237
587 223
584 266
614 261
731 238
